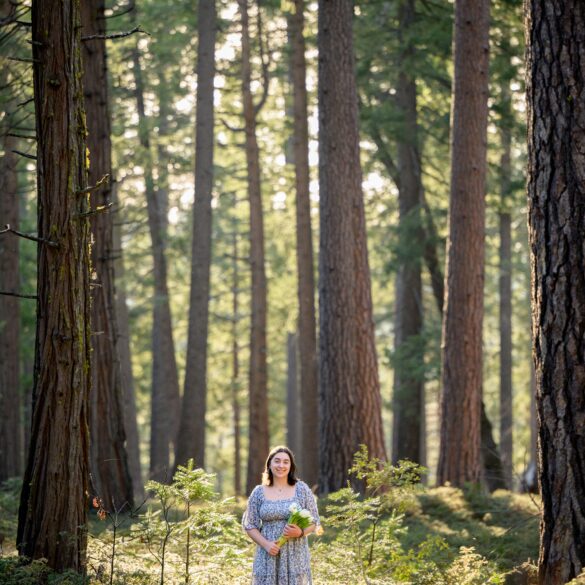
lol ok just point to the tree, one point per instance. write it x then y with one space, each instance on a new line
53 508
505 285
258 376
293 428
349 385
10 425
307 337
556 173
191 442
109 461
460 450
123 346
408 439
165 383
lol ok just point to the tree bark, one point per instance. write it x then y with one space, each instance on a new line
460 451
165 404
293 405
10 421
505 285
236 408
110 476
409 391
124 354
53 509
307 336
191 443
556 190
349 388
492 470
258 376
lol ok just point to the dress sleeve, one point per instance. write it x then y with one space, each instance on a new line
251 518
310 502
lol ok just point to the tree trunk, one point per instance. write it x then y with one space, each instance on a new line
506 443
307 340
191 443
110 476
293 406
556 190
492 470
409 390
10 421
53 509
165 404
492 464
258 378
124 354
236 409
460 451
349 387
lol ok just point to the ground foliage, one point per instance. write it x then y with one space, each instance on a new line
396 531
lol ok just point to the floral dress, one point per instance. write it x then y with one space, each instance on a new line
292 565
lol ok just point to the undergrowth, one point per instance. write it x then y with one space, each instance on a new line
395 531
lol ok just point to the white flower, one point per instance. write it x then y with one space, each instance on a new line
305 514
294 507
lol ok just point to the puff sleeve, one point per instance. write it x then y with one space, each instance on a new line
251 518
309 502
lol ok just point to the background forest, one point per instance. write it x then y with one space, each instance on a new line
217 160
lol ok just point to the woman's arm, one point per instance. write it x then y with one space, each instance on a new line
268 545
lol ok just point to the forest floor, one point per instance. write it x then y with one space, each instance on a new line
444 536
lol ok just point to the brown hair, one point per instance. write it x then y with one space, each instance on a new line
267 477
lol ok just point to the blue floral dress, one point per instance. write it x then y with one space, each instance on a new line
292 565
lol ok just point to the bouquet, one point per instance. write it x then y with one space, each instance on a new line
298 517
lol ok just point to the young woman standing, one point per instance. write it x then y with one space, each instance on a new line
265 521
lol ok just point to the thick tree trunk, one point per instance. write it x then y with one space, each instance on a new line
165 404
506 442
492 464
191 443
293 405
409 396
124 354
110 476
349 389
460 451
556 190
258 376
307 340
10 421
53 509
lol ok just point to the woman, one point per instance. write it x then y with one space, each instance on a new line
265 522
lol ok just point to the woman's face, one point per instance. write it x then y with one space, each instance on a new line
280 465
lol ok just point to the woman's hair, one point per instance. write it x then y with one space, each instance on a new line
267 477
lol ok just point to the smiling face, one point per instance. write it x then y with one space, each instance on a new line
280 464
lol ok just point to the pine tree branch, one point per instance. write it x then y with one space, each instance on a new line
31 156
13 294
113 36
103 181
8 230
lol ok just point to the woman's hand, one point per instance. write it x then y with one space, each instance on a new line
292 531
271 548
